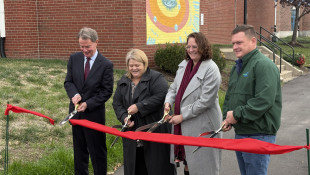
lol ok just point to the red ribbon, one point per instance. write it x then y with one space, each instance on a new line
22 110
244 145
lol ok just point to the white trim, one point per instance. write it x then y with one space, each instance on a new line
283 34
2 19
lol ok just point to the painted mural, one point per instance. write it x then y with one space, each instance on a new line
171 20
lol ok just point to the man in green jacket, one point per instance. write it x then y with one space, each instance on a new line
253 100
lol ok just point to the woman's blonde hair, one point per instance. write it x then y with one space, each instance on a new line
137 55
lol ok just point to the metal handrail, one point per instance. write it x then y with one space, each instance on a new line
283 42
277 46
271 49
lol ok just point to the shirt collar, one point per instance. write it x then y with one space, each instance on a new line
93 58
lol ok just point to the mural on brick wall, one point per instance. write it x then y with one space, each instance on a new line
171 20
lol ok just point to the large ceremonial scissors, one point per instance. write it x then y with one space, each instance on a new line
213 134
69 116
124 127
153 126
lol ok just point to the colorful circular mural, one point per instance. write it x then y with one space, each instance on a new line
166 23
171 20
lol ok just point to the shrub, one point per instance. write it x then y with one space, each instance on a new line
169 57
219 58
299 59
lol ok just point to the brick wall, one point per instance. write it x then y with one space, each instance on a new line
53 26
261 13
219 20
283 18
21 29
305 23
48 29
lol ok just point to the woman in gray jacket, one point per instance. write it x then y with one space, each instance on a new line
194 94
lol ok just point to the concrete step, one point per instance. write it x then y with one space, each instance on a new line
282 67
229 53
286 74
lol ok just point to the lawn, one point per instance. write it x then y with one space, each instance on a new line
305 49
36 146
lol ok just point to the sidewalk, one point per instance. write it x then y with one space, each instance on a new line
295 120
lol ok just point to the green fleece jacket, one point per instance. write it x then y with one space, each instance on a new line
254 95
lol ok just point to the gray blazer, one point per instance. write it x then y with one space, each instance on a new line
201 112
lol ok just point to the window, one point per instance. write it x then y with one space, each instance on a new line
293 16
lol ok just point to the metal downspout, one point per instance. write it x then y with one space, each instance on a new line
235 13
275 17
245 11
38 31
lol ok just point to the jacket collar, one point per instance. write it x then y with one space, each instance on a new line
247 57
96 65
196 80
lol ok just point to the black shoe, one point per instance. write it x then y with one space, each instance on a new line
186 172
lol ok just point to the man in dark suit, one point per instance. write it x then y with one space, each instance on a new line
89 83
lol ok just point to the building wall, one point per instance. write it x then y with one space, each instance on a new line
306 22
21 29
261 14
284 18
220 20
48 29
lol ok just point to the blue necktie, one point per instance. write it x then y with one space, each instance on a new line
238 65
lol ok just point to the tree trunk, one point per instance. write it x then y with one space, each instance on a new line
295 26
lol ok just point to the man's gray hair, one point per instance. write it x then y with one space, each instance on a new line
88 33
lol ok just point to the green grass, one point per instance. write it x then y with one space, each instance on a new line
58 162
36 146
305 50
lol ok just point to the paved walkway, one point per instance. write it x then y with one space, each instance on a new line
295 120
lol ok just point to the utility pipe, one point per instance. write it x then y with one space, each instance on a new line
245 12
2 28
235 13
275 17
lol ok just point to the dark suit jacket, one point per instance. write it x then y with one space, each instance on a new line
95 90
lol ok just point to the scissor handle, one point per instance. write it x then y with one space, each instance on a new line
76 106
128 117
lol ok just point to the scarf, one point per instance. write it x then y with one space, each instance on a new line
179 151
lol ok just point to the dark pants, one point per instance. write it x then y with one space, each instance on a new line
89 142
140 162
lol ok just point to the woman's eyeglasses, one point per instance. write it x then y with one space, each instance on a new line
193 47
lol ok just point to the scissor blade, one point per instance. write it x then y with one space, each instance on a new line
206 133
141 128
114 141
117 126
196 149
213 135
67 118
154 127
124 127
